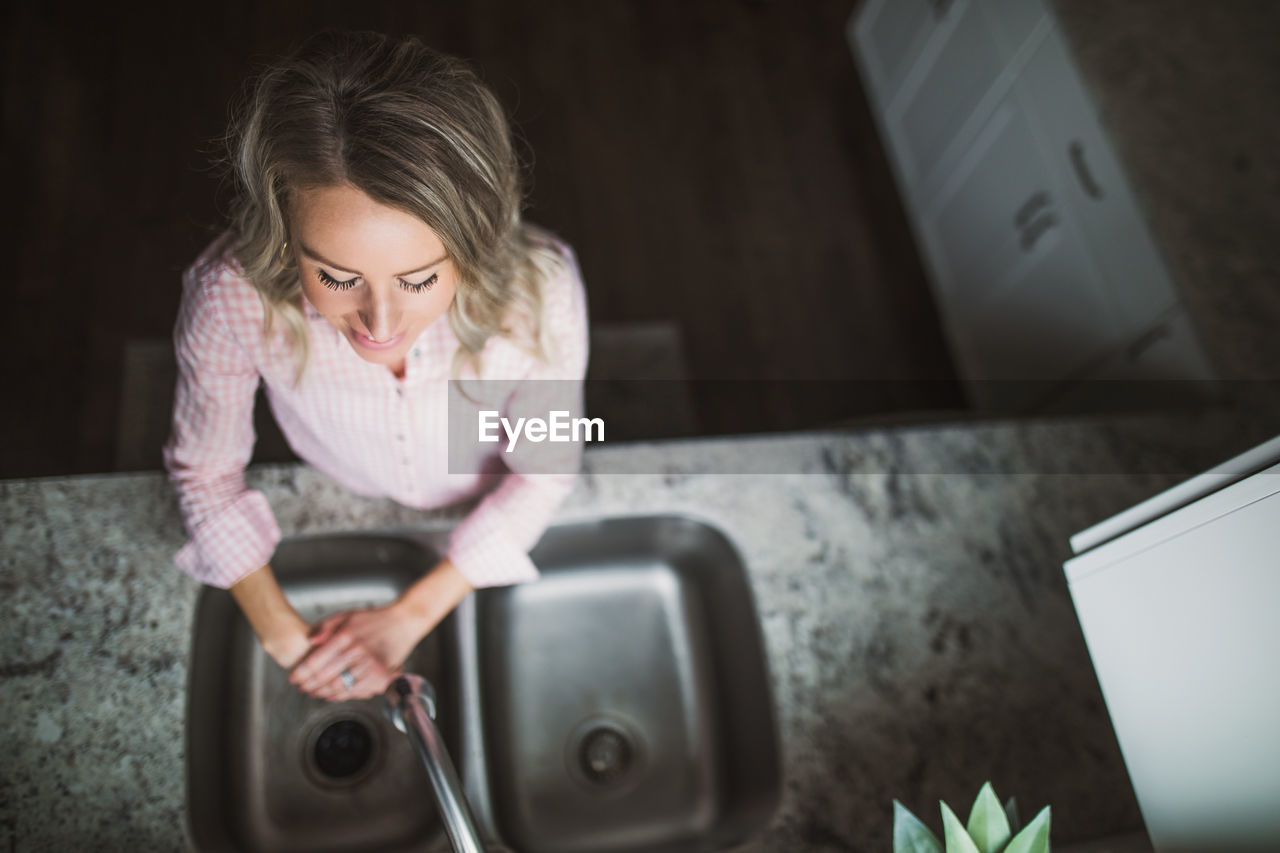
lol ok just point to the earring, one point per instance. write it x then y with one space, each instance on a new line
286 259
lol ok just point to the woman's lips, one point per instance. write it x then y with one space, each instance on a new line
369 343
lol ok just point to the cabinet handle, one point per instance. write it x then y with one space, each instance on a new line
1083 174
1037 228
1030 208
1139 347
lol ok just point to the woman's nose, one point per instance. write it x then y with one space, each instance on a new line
380 316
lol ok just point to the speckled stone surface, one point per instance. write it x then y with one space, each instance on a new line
917 623
1187 93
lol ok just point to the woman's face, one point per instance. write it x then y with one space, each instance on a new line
379 275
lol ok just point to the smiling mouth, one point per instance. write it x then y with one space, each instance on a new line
367 341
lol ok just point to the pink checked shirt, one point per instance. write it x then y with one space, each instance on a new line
354 421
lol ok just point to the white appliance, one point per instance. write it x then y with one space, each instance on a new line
1179 600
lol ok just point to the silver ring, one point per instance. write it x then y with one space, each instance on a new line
348 679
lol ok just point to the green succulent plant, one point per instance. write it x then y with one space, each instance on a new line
991 829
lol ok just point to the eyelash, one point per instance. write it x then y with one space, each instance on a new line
334 284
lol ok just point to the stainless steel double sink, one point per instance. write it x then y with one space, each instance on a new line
620 704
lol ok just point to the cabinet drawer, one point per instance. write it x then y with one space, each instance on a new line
1015 22
887 37
1168 351
927 119
964 67
1017 285
1137 284
1044 320
1164 367
994 208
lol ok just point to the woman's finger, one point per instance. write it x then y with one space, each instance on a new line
363 682
380 679
331 669
327 627
319 658
368 677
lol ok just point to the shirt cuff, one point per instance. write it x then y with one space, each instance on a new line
236 542
490 547
491 562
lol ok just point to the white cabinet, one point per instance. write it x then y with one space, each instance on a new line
1021 287
1043 269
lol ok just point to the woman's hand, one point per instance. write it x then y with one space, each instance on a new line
369 645
372 645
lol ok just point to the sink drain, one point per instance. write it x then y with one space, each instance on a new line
343 749
604 754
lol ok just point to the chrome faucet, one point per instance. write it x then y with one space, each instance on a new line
411 705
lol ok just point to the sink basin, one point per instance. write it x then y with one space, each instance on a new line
621 704
624 699
271 769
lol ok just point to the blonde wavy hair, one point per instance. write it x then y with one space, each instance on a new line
413 129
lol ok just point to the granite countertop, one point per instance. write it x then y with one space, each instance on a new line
916 619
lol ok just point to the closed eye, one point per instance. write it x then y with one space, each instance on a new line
425 284
338 284
333 283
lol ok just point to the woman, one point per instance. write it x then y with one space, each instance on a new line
375 251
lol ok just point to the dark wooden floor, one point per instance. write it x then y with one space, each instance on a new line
714 164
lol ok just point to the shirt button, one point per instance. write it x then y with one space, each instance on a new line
399 438
416 353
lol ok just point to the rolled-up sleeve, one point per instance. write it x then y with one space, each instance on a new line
491 545
231 529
